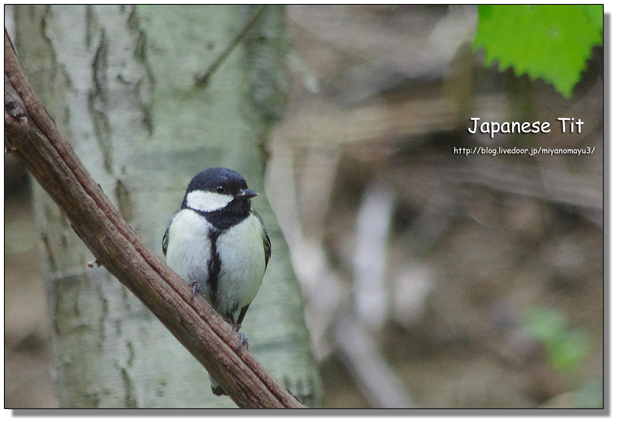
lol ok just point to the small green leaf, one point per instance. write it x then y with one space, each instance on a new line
565 348
552 42
544 323
568 350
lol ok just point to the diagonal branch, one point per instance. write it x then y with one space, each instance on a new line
201 80
32 136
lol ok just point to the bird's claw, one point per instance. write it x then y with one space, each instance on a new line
195 288
242 338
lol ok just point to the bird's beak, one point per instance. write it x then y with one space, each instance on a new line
247 193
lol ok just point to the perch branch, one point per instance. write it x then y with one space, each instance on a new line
32 136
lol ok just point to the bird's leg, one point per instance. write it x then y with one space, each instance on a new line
242 338
237 326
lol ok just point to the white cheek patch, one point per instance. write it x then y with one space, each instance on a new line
207 201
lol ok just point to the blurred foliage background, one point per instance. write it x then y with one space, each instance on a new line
431 279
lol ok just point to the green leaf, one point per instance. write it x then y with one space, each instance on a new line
552 42
544 323
565 348
568 350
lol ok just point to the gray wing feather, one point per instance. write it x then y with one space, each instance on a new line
266 240
164 241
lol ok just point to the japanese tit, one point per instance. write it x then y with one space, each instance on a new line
219 244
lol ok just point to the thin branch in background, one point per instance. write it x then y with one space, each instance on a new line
202 80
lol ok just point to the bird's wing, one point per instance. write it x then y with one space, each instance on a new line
164 241
266 240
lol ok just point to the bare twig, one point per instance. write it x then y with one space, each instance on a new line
201 80
32 136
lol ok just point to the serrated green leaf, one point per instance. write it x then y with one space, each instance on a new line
552 42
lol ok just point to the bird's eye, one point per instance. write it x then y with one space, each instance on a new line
219 189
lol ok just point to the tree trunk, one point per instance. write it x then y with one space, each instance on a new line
119 82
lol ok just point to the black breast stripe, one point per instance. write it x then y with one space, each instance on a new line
215 265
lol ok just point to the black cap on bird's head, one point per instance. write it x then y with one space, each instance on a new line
216 189
217 179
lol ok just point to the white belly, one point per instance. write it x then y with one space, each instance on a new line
241 249
189 248
241 252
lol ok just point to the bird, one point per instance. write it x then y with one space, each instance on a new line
219 245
